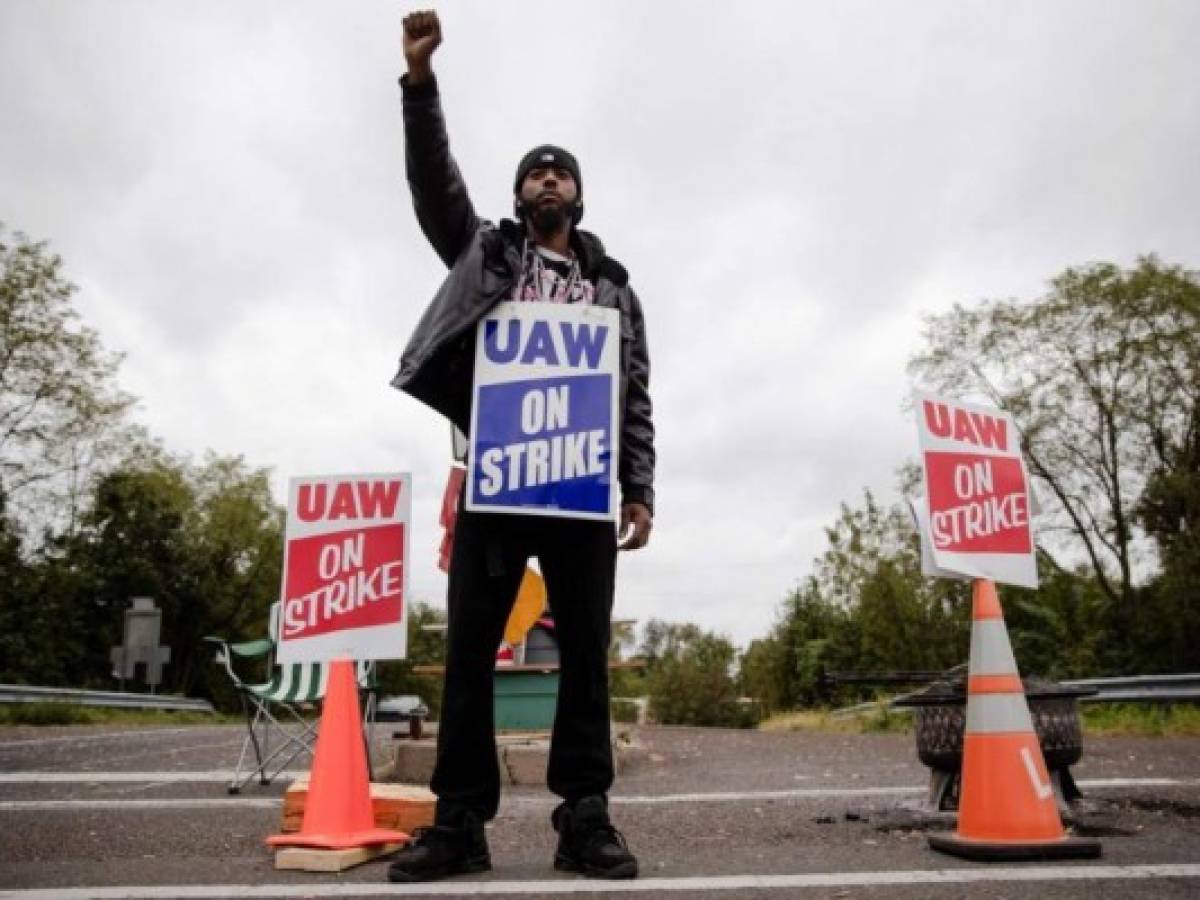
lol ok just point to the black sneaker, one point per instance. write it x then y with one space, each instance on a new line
437 851
588 843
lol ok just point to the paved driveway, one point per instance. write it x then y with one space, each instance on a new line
103 812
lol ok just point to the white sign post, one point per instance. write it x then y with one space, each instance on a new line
977 507
345 571
544 426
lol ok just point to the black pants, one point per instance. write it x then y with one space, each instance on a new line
578 562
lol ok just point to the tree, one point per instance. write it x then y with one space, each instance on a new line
1169 615
1059 630
690 676
204 541
15 646
866 606
58 401
1102 375
764 674
426 646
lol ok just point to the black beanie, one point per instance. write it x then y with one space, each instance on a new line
547 155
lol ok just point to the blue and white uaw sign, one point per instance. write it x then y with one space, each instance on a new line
544 427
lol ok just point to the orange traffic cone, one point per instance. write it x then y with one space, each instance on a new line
337 811
1007 809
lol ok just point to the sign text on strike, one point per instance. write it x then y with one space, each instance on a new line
539 461
347 586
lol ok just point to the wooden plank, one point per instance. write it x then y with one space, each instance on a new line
400 807
311 859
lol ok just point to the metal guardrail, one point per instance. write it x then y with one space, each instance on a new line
1182 688
896 676
23 693
1141 688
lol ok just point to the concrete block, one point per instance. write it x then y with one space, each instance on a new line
525 762
412 763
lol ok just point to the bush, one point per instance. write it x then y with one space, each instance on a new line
689 678
49 713
625 711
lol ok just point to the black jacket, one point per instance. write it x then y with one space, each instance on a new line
484 261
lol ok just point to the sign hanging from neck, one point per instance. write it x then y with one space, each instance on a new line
544 426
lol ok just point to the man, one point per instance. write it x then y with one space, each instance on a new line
543 257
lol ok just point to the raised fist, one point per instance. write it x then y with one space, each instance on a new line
422 35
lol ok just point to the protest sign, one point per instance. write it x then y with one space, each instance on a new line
918 508
544 435
978 502
345 570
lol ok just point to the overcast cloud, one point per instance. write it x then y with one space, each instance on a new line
791 186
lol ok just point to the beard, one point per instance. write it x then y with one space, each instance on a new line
548 218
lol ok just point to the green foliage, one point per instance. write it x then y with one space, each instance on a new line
1056 630
878 719
627 683
15 577
624 711
46 714
59 407
1102 375
119 517
205 541
689 677
1166 621
1141 720
884 720
425 647
75 714
764 675
865 607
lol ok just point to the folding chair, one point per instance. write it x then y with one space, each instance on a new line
276 729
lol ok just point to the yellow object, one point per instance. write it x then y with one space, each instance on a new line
530 604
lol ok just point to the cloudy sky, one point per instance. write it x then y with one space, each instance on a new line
791 185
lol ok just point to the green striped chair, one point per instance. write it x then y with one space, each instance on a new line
277 730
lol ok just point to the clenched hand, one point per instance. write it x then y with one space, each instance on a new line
422 35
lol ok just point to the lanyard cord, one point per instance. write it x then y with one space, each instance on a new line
532 265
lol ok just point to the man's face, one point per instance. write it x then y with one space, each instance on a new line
548 194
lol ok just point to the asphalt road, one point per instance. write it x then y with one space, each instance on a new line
88 811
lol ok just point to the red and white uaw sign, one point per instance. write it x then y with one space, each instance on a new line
345 569
976 517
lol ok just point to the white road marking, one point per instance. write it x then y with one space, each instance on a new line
107 735
1137 782
811 793
224 775
171 804
459 887
212 775
185 803
786 794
